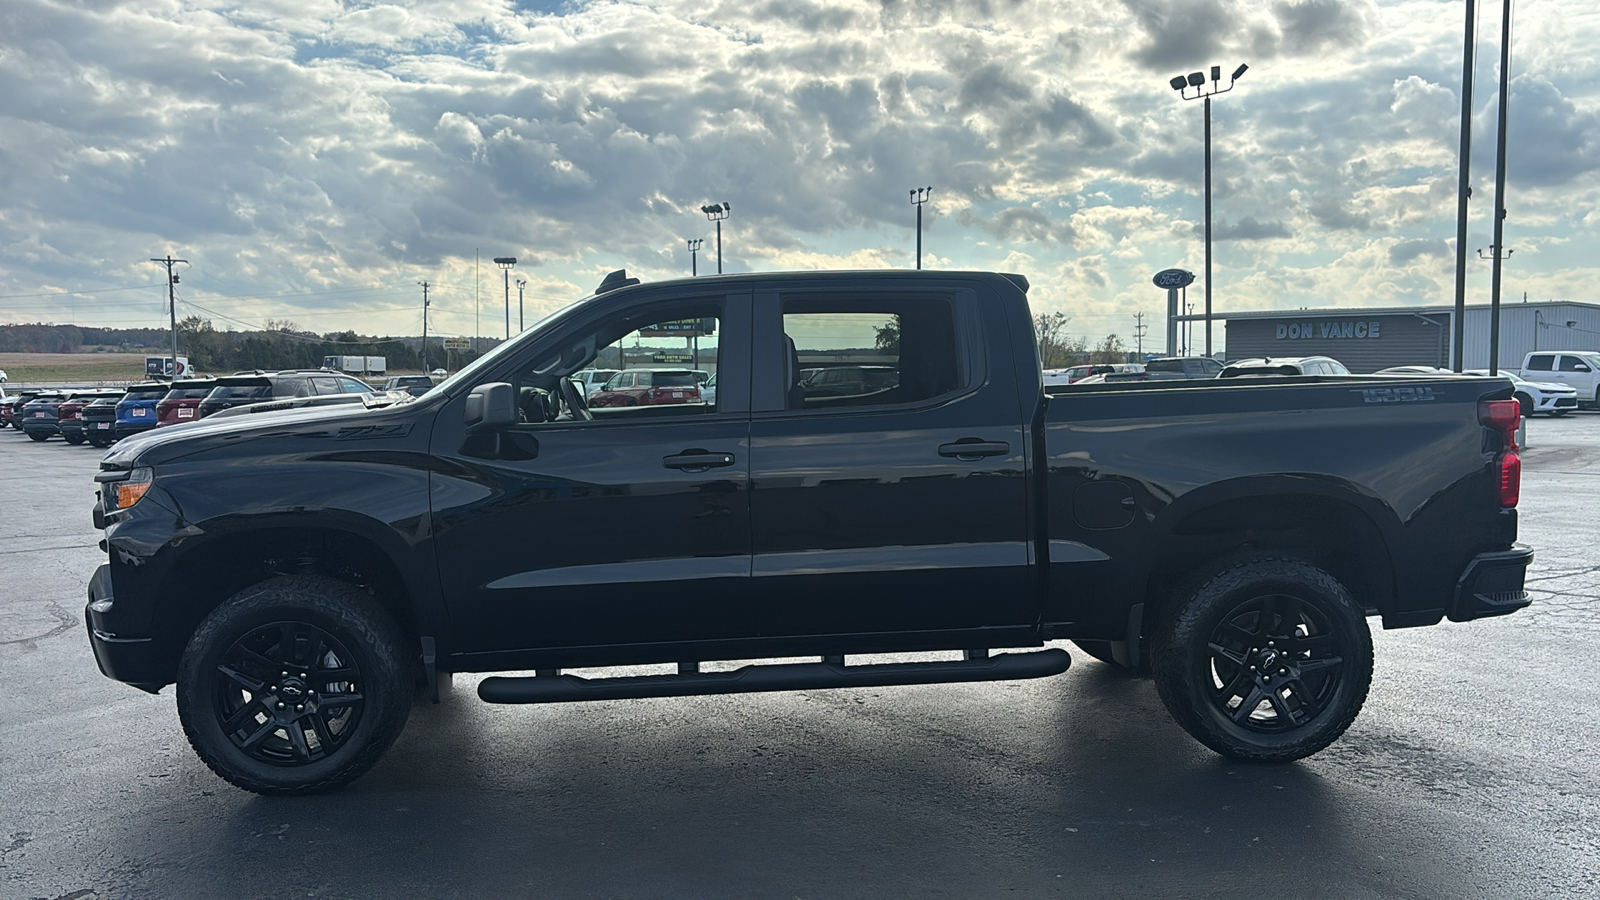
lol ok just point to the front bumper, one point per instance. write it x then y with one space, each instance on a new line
133 660
1492 585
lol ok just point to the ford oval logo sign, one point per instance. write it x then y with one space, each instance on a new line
1172 279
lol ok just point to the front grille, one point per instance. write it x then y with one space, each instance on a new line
1567 401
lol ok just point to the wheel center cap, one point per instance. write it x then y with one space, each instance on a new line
292 689
1268 659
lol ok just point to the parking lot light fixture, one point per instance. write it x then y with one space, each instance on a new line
505 263
716 212
1197 81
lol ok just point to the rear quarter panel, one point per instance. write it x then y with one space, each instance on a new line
1409 458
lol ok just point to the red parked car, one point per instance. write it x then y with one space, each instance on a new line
648 387
182 402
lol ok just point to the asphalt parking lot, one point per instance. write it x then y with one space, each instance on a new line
1470 773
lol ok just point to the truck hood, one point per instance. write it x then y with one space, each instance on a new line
161 445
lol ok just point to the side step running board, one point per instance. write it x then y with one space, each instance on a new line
554 688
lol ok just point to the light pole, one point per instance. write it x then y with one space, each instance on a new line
716 212
1197 80
919 196
521 283
694 248
505 263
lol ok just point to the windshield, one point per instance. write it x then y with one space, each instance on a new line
145 395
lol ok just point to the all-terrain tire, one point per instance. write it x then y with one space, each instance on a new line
1267 659
295 685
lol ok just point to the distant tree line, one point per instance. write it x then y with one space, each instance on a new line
281 345
73 338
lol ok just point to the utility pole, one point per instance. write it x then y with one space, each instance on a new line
1138 332
1463 191
424 326
1500 191
172 305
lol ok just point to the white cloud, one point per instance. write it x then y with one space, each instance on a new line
294 148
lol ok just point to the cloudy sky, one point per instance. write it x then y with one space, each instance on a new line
315 159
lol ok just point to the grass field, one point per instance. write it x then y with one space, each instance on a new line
71 368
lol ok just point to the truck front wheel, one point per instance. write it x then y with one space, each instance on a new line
1267 660
294 685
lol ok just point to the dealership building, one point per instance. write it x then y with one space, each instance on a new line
1367 340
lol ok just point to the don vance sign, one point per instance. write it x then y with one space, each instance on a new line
1327 329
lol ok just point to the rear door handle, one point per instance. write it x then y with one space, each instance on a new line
970 450
697 460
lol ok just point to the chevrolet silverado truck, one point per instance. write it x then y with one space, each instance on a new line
303 576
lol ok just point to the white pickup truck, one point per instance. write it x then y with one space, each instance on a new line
1578 368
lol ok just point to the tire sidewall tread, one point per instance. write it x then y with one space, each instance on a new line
368 631
1185 633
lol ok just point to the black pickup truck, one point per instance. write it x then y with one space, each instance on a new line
301 575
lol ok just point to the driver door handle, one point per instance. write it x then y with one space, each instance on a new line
697 460
970 450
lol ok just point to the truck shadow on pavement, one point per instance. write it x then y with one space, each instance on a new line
1041 788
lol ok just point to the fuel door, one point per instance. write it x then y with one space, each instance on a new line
1103 504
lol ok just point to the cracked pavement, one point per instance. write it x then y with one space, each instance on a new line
1471 772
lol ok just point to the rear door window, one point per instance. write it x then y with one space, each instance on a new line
1541 362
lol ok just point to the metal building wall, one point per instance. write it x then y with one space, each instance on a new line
1518 323
1403 340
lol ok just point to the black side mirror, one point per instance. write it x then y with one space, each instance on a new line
490 406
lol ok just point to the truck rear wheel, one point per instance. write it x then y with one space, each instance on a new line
1267 660
295 685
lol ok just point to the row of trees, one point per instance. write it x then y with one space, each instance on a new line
1059 349
41 338
281 345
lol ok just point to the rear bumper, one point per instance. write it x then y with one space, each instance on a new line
1492 585
133 660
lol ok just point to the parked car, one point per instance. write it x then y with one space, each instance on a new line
1166 368
1551 398
254 387
299 575
1073 374
415 385
11 407
851 381
439 373
708 391
69 415
1284 365
647 387
136 410
1577 369
182 401
40 415
100 421
591 380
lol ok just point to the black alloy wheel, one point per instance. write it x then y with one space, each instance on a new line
1268 660
295 685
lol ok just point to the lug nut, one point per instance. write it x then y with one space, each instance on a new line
299 707
280 704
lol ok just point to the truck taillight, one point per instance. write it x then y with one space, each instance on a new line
1504 416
